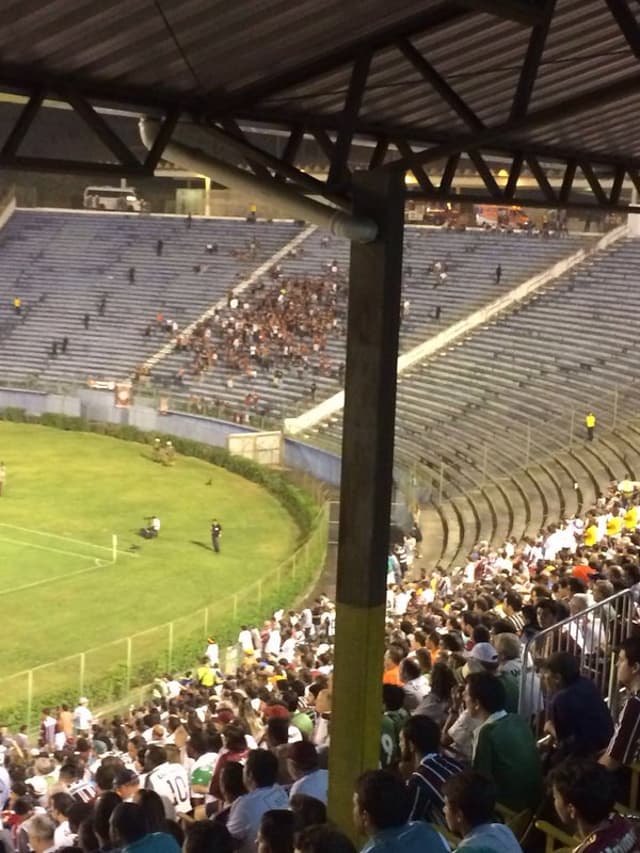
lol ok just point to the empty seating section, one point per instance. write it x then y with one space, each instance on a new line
471 259
62 264
465 412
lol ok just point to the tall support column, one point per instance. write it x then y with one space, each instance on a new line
365 494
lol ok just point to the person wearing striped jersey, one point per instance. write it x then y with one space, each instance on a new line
426 768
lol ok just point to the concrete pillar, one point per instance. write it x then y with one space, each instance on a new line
365 495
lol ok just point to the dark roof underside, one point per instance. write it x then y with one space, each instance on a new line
553 79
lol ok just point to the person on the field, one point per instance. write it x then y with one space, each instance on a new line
169 453
3 477
216 532
152 529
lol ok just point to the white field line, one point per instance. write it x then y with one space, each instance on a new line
97 564
65 539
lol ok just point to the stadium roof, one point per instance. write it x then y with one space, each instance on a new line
543 84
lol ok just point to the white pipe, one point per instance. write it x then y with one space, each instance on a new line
298 206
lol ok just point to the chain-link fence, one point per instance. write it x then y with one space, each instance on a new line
109 671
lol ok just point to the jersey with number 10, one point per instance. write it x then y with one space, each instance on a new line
170 781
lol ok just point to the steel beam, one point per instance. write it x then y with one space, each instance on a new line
437 137
487 178
236 134
71 167
541 178
500 135
22 125
567 182
511 10
379 153
449 173
527 201
594 183
418 172
446 92
375 275
164 135
531 65
626 20
99 126
293 145
616 186
514 174
338 171
282 167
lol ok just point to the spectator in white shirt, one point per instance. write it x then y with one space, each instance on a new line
414 686
245 639
82 717
40 830
260 773
60 806
310 779
213 652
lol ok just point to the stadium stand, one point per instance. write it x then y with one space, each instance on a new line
448 274
62 265
545 555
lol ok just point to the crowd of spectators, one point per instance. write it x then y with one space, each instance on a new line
280 325
222 761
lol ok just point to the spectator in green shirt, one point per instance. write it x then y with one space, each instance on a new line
504 748
299 719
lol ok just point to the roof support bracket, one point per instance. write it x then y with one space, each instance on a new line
541 179
22 125
616 186
418 172
448 95
594 183
567 181
449 173
99 126
164 135
485 173
339 171
531 65
626 20
514 174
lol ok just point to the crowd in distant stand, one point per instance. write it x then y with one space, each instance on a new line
237 760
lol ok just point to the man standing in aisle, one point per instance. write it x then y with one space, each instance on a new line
590 423
216 532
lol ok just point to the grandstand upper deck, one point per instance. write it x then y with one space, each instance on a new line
62 265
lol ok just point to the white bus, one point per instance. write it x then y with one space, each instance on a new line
112 198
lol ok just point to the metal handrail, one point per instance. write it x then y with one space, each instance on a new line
593 635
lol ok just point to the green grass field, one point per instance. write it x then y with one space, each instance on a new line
68 492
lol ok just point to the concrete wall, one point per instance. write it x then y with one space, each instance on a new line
98 406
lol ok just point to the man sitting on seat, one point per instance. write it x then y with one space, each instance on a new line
624 746
428 769
469 808
381 809
504 747
579 720
584 794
